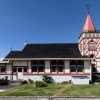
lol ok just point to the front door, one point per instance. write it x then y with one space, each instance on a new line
20 72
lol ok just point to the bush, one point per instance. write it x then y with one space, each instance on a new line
70 82
95 79
30 81
4 81
46 79
24 82
40 84
65 82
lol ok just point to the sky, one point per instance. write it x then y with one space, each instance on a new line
43 21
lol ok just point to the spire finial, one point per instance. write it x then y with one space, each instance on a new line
11 48
88 8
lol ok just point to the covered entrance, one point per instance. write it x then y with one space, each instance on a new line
19 72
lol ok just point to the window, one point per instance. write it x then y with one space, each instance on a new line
25 69
14 69
92 45
41 66
38 66
57 66
2 69
34 66
76 66
19 69
79 66
60 66
54 66
73 66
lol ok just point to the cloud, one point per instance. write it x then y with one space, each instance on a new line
1 59
25 43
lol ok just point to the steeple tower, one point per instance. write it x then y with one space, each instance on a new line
89 40
88 26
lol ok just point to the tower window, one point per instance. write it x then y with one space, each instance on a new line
92 45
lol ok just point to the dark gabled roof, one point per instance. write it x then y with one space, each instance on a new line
58 50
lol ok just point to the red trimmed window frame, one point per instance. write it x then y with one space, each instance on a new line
77 65
57 64
15 72
4 68
37 65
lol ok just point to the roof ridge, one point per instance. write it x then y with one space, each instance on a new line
50 43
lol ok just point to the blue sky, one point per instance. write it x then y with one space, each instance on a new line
43 21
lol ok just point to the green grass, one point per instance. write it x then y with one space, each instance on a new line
31 90
82 90
53 89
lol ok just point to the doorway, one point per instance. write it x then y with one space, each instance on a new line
20 73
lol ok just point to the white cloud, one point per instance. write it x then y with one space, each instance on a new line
25 43
1 59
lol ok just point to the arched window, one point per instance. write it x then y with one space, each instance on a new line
92 45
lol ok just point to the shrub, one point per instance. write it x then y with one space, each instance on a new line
95 79
40 84
30 81
46 79
70 82
24 82
4 81
65 82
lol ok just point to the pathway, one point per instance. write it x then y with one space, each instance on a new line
62 89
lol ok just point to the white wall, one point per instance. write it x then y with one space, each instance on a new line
47 66
79 80
56 78
9 68
19 63
29 66
87 65
67 69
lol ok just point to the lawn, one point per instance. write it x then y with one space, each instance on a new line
53 90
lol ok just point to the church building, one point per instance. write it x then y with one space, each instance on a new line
77 62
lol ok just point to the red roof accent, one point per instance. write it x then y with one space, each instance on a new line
88 26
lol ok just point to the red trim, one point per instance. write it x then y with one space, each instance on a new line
4 73
55 74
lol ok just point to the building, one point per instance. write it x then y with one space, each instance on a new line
62 61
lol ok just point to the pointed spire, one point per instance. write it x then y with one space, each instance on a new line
88 26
